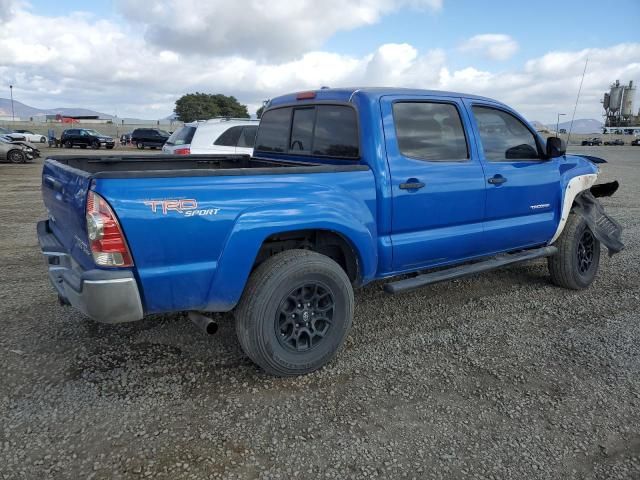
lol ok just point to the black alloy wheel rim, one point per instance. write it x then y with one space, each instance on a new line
586 248
305 316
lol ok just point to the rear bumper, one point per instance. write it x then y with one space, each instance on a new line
107 296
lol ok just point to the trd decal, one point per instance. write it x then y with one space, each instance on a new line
185 206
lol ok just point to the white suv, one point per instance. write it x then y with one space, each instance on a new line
219 135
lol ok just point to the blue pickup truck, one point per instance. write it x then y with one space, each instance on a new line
345 186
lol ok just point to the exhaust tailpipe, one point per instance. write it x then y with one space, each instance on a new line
204 323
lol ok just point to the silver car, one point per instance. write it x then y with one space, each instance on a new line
16 151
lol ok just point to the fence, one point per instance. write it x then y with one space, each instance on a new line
112 129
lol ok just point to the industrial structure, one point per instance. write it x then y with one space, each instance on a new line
618 109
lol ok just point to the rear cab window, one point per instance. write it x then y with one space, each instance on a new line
310 130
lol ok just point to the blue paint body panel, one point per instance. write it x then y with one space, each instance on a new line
203 262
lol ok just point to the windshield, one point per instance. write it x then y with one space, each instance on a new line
182 136
164 132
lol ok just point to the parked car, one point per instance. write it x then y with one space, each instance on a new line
346 186
12 134
592 141
84 137
29 136
219 135
149 137
617 142
16 151
636 142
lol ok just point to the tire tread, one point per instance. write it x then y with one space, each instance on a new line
259 286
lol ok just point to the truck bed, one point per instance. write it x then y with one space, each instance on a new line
149 166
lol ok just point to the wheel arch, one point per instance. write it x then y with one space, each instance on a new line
331 243
259 234
573 188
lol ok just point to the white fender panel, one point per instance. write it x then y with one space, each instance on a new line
576 185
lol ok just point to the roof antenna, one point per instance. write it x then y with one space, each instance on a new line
577 98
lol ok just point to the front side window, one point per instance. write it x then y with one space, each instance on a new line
248 137
229 137
504 137
430 131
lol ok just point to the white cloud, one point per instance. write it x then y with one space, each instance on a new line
265 29
495 46
78 60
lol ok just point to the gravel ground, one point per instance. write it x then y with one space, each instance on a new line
497 376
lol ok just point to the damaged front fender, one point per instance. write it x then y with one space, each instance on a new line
604 228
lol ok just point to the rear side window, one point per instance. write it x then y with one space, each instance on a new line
320 130
182 136
248 137
504 137
430 131
273 134
229 137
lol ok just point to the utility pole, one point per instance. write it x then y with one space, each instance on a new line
558 122
13 115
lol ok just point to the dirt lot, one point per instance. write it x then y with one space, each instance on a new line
496 376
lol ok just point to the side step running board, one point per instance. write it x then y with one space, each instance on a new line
470 269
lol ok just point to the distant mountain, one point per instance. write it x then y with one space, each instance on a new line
22 110
581 125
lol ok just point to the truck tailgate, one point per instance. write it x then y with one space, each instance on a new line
64 191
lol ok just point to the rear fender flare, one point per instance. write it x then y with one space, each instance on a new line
353 222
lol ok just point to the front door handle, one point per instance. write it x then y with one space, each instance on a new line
411 185
497 180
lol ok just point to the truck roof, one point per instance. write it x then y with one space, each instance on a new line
345 94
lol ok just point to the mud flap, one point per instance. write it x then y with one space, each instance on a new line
604 228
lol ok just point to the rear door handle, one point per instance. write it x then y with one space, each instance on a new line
411 185
497 180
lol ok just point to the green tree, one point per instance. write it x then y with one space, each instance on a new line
200 106
259 111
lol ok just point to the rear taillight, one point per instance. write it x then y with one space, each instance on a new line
182 151
106 239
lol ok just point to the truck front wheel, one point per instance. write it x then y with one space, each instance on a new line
576 263
295 312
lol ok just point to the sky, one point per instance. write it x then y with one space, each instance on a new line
134 58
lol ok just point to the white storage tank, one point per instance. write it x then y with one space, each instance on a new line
615 97
627 100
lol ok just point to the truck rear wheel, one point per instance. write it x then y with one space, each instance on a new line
295 312
576 263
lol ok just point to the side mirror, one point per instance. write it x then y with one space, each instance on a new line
556 147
